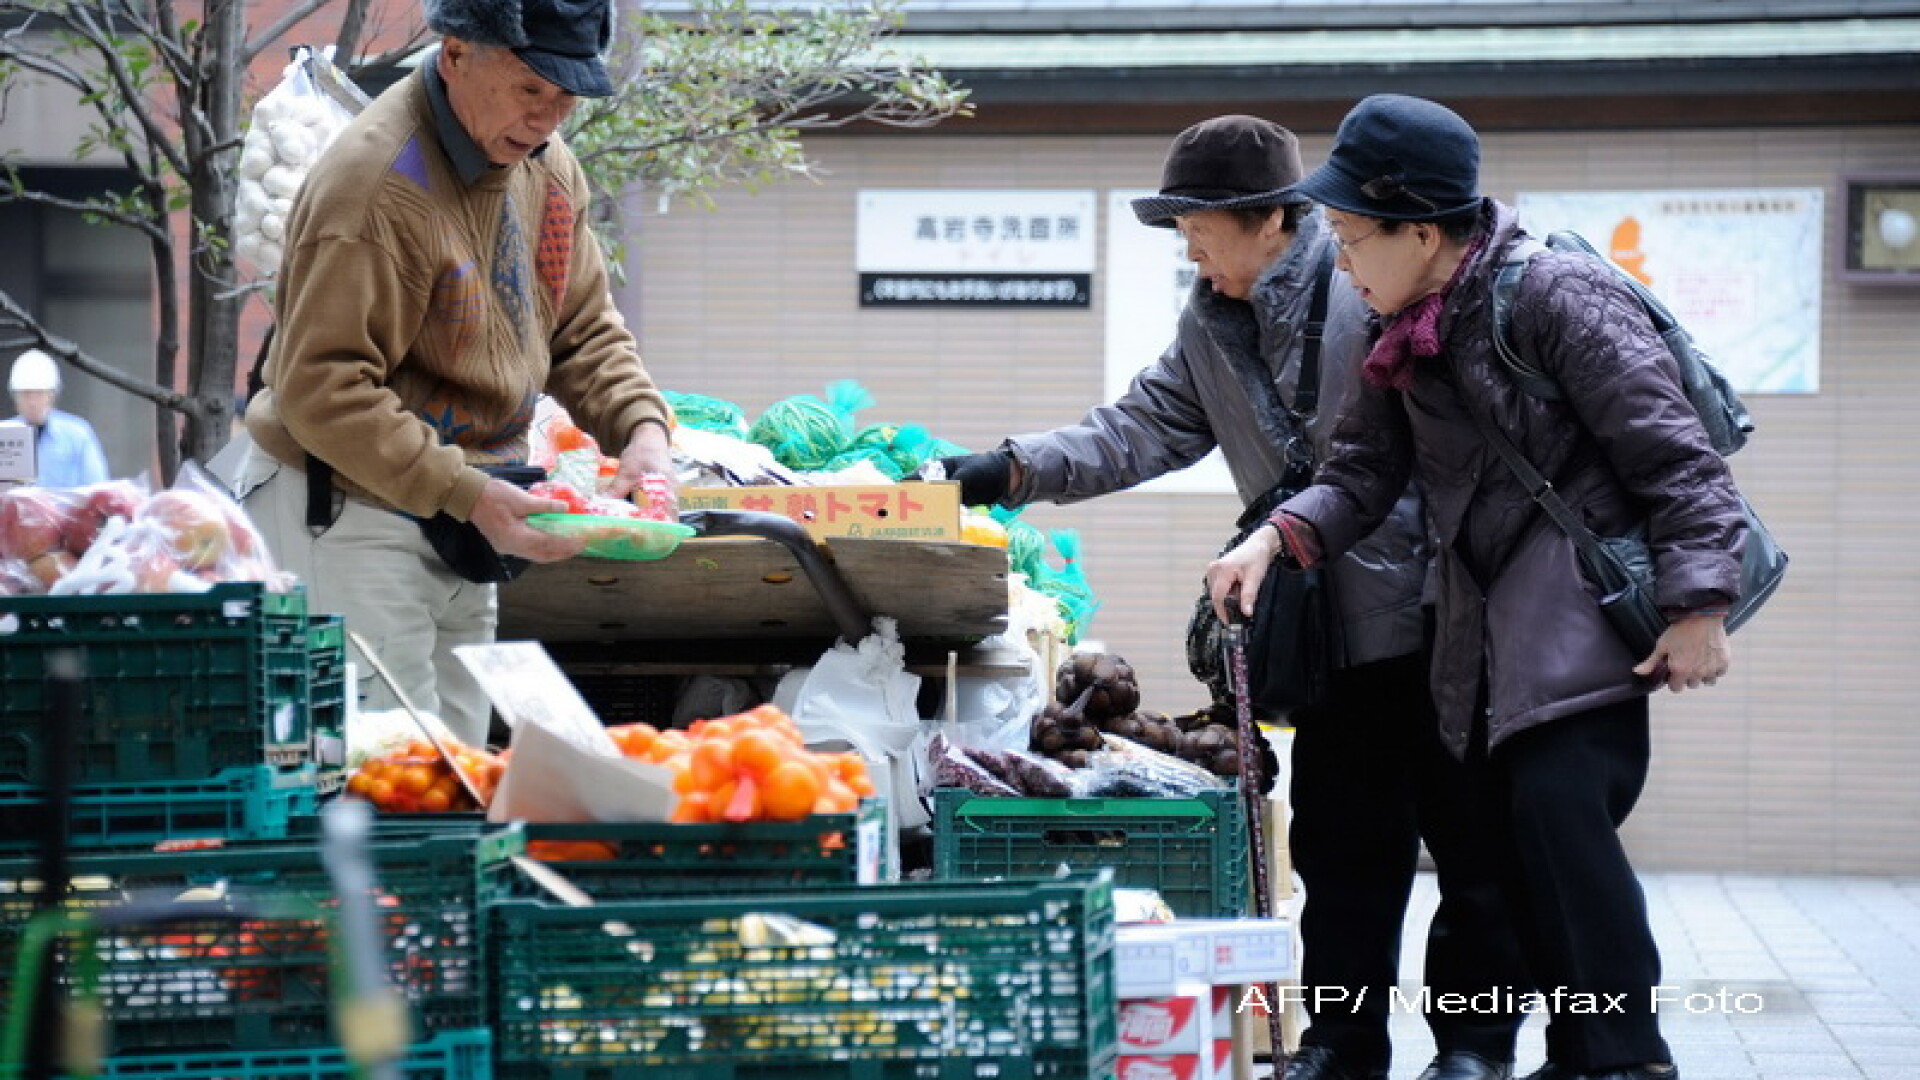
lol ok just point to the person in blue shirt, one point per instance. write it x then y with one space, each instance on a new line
65 448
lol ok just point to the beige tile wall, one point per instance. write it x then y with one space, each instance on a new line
1807 758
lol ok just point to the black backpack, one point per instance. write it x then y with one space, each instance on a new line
1721 410
1623 567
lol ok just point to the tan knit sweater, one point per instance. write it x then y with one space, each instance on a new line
419 317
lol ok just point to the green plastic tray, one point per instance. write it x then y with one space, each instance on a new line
664 860
1192 851
180 686
634 539
266 986
239 804
453 1055
1009 980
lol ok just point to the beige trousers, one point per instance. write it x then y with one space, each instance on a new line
375 568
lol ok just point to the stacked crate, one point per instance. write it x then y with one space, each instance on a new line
200 713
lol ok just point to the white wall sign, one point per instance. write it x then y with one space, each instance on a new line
1148 279
938 247
1741 268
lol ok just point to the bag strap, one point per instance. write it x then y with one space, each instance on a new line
1506 285
1306 391
1306 398
1539 488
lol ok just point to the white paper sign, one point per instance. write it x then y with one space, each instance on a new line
526 686
1740 268
1148 279
549 778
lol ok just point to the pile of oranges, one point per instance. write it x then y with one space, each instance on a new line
751 766
415 778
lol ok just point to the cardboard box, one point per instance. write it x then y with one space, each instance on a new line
1162 1067
1152 959
17 465
916 511
1250 950
1174 1024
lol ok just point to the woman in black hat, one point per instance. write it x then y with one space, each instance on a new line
1541 704
1232 379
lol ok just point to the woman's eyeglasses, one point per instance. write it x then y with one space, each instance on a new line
1348 245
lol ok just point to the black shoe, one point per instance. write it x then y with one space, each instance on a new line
1461 1065
1321 1063
1550 1071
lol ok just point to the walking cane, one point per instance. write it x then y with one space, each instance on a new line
1251 799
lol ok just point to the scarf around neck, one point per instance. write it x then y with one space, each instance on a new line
1413 333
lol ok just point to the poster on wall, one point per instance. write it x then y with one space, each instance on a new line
993 249
1148 278
1741 268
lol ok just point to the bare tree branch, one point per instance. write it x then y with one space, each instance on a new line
294 17
13 316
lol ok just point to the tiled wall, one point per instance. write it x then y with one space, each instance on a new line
1806 758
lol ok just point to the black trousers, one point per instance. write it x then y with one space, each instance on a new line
1370 778
1554 797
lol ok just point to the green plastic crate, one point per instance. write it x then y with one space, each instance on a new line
1009 981
240 804
662 860
454 1055
265 985
180 686
327 698
1192 851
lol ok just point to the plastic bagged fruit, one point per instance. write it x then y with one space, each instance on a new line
32 521
207 533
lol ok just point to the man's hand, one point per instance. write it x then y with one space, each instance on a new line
985 479
649 450
1693 652
1241 571
501 516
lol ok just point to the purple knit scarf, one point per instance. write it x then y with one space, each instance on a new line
1413 333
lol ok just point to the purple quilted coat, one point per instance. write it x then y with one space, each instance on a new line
1515 615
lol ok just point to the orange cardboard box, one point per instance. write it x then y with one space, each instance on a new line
913 511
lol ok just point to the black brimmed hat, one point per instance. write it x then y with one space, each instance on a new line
563 41
1226 163
1399 158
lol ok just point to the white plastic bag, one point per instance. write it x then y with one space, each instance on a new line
297 119
862 696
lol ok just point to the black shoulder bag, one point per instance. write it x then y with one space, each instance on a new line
1290 643
459 544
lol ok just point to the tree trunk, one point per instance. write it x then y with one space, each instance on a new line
213 341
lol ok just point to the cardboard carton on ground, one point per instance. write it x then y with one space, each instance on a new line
912 511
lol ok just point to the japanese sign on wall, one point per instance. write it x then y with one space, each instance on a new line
936 247
1741 268
1147 281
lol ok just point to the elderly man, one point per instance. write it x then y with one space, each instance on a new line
439 275
66 451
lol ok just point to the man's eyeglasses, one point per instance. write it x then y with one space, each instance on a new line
1389 188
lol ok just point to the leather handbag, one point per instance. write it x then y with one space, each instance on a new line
1291 641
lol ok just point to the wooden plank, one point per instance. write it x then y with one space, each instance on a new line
746 588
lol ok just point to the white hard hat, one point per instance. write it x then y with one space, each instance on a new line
34 370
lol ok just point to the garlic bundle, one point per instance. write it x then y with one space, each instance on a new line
291 126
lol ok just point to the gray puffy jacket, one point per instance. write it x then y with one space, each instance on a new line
1205 391
1515 614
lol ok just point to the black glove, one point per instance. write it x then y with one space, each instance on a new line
984 478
